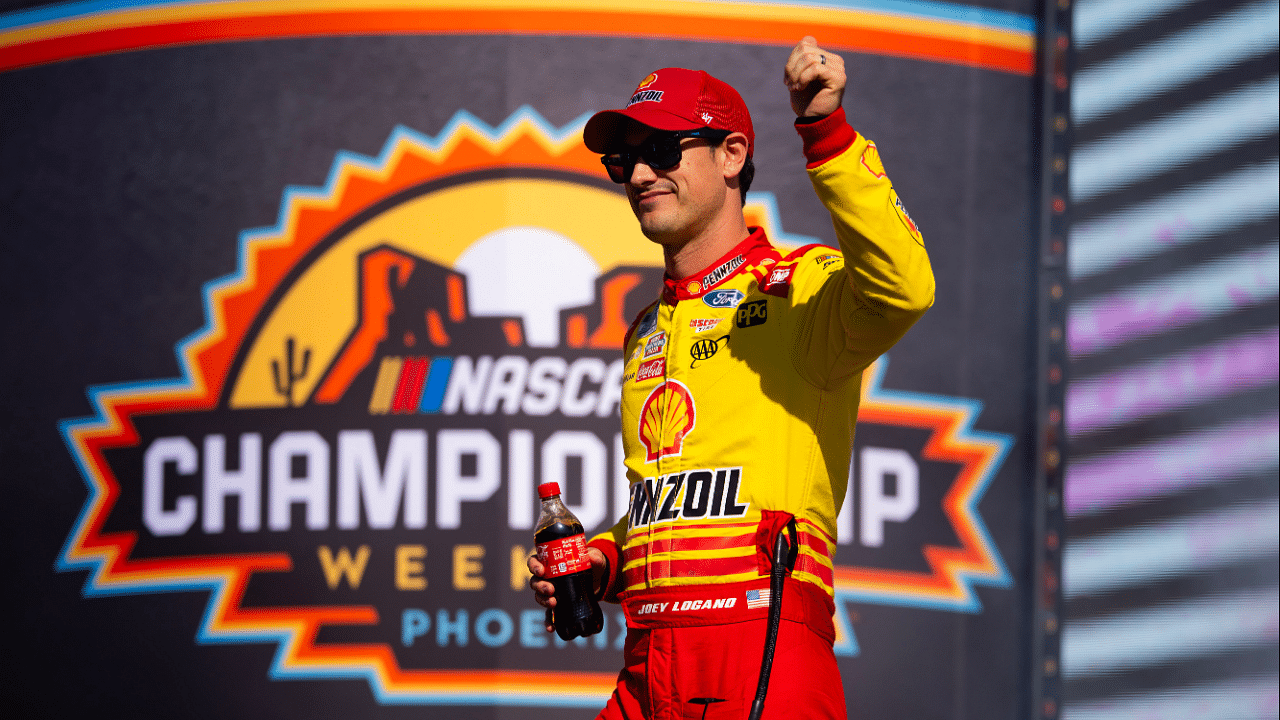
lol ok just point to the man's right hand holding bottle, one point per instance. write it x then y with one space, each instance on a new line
545 593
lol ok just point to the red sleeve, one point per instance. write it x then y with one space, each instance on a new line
825 138
613 564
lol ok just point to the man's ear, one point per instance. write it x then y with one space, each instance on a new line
733 154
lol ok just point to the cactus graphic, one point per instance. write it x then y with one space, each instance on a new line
285 381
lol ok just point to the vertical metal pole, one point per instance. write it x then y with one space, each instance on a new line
1051 356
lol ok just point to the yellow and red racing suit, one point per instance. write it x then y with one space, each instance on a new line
739 399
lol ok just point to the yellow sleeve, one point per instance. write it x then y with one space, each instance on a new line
616 534
857 312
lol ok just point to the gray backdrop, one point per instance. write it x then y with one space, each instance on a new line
127 178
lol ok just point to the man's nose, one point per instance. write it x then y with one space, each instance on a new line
642 174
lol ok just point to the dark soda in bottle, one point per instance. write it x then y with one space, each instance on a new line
562 550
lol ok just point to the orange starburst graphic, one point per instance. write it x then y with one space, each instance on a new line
953 571
307 217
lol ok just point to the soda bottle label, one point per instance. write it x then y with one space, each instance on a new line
564 556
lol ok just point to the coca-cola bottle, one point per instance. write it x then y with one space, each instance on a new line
562 550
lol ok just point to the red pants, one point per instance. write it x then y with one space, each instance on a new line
665 669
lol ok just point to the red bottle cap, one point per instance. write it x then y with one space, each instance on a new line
547 489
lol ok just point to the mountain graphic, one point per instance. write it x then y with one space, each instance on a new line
413 311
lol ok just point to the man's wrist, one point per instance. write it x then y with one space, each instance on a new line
610 552
602 580
825 137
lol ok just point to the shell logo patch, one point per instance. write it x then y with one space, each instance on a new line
649 80
667 417
871 160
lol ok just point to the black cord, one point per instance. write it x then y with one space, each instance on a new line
705 703
784 558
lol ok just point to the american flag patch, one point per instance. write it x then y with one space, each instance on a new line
757 599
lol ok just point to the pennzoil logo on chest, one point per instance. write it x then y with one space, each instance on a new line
709 493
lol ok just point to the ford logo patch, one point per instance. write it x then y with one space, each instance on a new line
723 298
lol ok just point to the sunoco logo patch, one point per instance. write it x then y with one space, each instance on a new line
347 466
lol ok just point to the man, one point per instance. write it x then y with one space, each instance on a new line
740 393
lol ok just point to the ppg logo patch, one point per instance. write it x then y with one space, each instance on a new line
752 313
723 298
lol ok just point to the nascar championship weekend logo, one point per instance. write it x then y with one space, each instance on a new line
348 466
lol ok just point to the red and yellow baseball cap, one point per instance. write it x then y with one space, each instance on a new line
675 99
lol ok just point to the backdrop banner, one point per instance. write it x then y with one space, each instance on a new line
396 286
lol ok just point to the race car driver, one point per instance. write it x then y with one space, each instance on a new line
741 392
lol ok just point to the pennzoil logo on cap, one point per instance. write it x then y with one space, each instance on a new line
643 95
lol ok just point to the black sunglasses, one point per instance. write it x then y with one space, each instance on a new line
660 151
